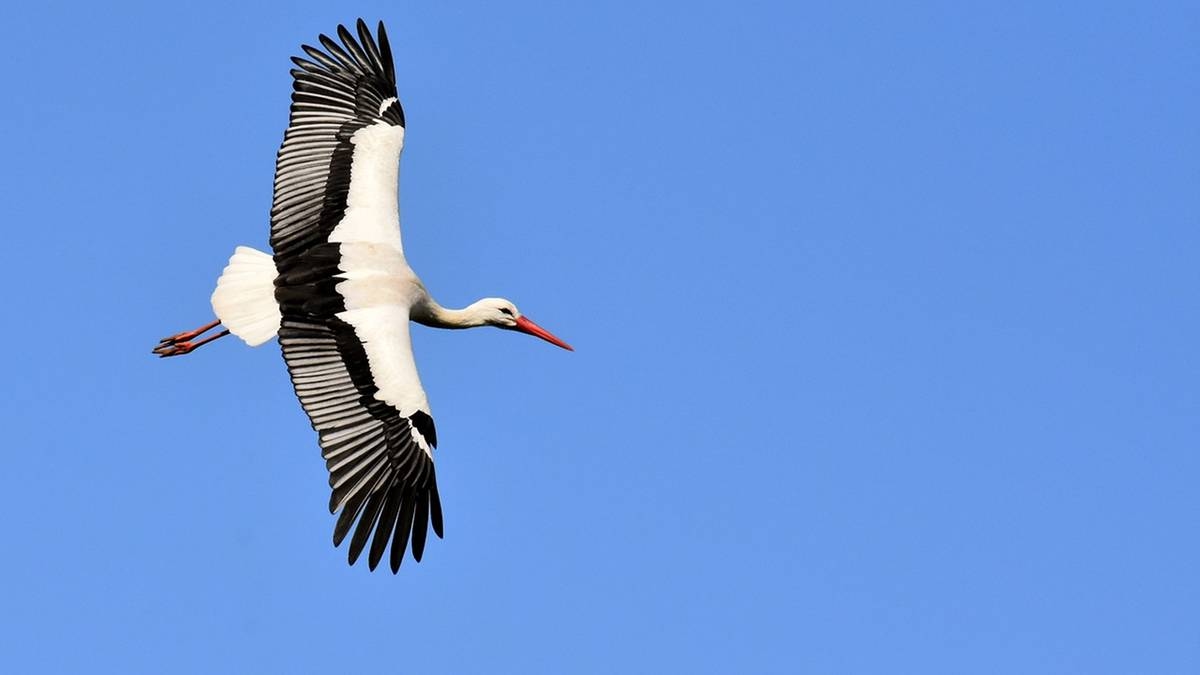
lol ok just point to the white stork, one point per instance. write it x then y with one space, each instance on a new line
339 294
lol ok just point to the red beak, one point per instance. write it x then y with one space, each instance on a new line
526 326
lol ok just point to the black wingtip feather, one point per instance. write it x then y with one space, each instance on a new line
435 509
336 51
322 58
356 52
372 50
420 525
385 51
403 527
349 512
386 525
366 524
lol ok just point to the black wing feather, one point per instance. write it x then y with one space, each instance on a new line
420 525
435 509
386 526
403 527
368 44
366 523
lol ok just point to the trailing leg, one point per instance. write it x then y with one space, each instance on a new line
181 343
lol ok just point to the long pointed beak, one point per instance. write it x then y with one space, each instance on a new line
526 326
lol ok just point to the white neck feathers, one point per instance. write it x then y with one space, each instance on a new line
430 313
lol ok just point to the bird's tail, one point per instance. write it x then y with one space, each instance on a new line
245 296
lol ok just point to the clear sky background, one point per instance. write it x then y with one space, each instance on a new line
887 327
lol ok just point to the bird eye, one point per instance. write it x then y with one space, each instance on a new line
506 311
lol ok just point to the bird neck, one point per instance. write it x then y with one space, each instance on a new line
430 313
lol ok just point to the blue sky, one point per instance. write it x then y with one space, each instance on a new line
886 328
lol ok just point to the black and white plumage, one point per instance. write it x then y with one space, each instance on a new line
378 455
339 294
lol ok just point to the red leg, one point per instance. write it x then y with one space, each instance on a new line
180 344
190 334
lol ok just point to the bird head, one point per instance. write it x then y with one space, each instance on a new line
502 313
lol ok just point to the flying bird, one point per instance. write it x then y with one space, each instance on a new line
339 294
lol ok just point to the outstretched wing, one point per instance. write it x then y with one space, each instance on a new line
345 340
344 112
379 457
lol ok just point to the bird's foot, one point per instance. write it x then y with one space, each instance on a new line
169 347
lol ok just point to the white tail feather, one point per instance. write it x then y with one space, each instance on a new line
245 297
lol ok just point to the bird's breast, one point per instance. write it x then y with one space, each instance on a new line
376 275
